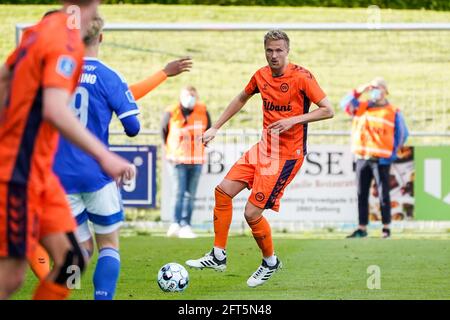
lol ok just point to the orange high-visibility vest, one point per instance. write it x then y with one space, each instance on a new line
373 131
183 143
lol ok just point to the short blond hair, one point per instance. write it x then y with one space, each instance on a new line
276 34
94 31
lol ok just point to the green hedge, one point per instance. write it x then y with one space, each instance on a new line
394 4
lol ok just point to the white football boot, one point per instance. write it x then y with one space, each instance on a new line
264 273
208 261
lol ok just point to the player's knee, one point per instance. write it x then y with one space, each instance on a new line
87 248
16 281
252 212
223 190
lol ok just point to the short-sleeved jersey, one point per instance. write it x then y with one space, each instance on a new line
50 55
101 92
284 97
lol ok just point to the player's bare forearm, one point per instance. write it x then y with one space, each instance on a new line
323 112
5 79
58 114
234 107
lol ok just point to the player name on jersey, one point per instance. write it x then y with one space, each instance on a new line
88 78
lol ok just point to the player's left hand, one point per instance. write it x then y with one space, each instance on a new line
282 125
127 176
176 67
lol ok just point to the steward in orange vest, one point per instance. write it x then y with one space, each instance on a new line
182 128
378 132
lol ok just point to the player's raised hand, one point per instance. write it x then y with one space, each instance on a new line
282 125
117 167
209 135
363 88
176 67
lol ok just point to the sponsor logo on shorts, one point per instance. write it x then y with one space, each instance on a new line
260 197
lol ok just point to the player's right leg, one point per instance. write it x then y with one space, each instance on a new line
223 211
105 211
240 176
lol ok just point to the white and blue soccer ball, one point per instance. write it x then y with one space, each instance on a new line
173 277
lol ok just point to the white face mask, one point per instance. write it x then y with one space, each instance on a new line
187 100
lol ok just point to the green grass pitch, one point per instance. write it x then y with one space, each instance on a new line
313 269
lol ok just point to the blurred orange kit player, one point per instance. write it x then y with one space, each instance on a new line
36 83
287 91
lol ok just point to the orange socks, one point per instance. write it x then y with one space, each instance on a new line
40 262
263 235
51 291
223 213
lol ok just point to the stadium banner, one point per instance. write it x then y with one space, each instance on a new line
141 192
324 190
432 188
401 181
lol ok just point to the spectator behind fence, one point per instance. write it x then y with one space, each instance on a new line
378 131
182 127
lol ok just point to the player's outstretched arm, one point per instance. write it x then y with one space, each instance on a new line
324 111
235 105
58 114
5 79
172 69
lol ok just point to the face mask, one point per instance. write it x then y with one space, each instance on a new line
187 100
375 94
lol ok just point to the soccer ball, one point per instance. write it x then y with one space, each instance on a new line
173 277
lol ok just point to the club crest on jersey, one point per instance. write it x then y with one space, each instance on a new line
269 106
66 66
284 87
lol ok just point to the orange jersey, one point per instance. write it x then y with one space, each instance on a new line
284 97
50 55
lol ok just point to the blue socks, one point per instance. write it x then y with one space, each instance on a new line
106 274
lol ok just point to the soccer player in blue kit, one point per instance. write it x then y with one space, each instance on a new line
93 195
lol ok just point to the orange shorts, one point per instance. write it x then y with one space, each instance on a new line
27 215
266 176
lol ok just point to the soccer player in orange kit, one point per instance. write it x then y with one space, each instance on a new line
36 83
287 91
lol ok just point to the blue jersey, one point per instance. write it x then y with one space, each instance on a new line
101 92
